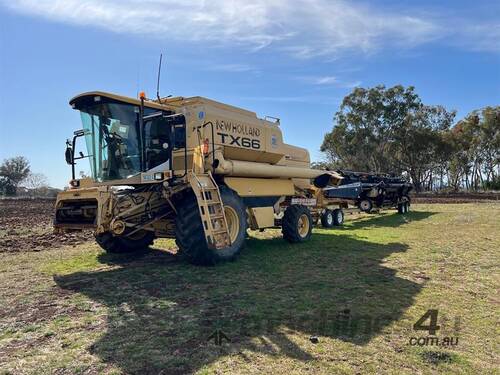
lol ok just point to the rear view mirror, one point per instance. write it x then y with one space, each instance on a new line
69 154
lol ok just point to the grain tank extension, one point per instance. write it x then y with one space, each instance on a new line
192 169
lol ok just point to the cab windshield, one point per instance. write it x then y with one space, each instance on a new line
112 139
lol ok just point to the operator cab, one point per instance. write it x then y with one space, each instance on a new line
125 136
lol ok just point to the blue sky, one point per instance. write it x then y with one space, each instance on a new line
291 59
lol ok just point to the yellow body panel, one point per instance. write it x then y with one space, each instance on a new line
261 217
260 187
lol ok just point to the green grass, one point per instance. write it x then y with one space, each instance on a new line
359 289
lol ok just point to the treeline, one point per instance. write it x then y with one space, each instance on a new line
390 130
17 179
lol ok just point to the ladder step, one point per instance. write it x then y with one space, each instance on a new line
208 195
215 217
212 203
220 231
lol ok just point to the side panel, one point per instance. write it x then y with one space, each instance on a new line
260 187
262 217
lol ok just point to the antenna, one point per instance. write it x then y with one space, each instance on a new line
158 81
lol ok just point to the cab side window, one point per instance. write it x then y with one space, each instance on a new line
157 139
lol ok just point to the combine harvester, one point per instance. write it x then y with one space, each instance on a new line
365 192
192 169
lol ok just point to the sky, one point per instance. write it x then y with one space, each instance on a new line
292 59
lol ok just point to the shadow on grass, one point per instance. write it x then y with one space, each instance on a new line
391 220
161 311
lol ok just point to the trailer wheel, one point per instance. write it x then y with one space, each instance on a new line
366 205
327 220
297 223
407 202
403 207
121 244
190 236
338 217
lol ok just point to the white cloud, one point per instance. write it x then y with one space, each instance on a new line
303 28
328 81
480 37
232 68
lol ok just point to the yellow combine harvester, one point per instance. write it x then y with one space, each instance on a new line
192 169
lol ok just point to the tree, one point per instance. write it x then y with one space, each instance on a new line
363 126
388 130
12 172
35 182
323 165
476 157
418 144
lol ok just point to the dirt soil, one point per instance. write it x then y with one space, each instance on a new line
26 225
458 197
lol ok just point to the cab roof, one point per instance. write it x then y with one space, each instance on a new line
168 102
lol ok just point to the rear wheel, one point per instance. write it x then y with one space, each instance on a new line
190 236
139 241
338 217
404 206
297 223
366 205
327 219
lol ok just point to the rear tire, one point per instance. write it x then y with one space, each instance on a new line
190 236
338 217
327 220
366 205
297 223
404 206
122 244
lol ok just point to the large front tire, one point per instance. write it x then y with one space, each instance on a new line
297 223
119 245
190 236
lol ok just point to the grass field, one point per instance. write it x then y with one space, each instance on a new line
358 289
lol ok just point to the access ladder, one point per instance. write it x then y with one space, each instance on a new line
211 209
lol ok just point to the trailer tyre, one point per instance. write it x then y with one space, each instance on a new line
338 217
327 220
190 236
119 245
366 205
404 207
297 223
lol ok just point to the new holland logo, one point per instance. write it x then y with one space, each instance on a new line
274 141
